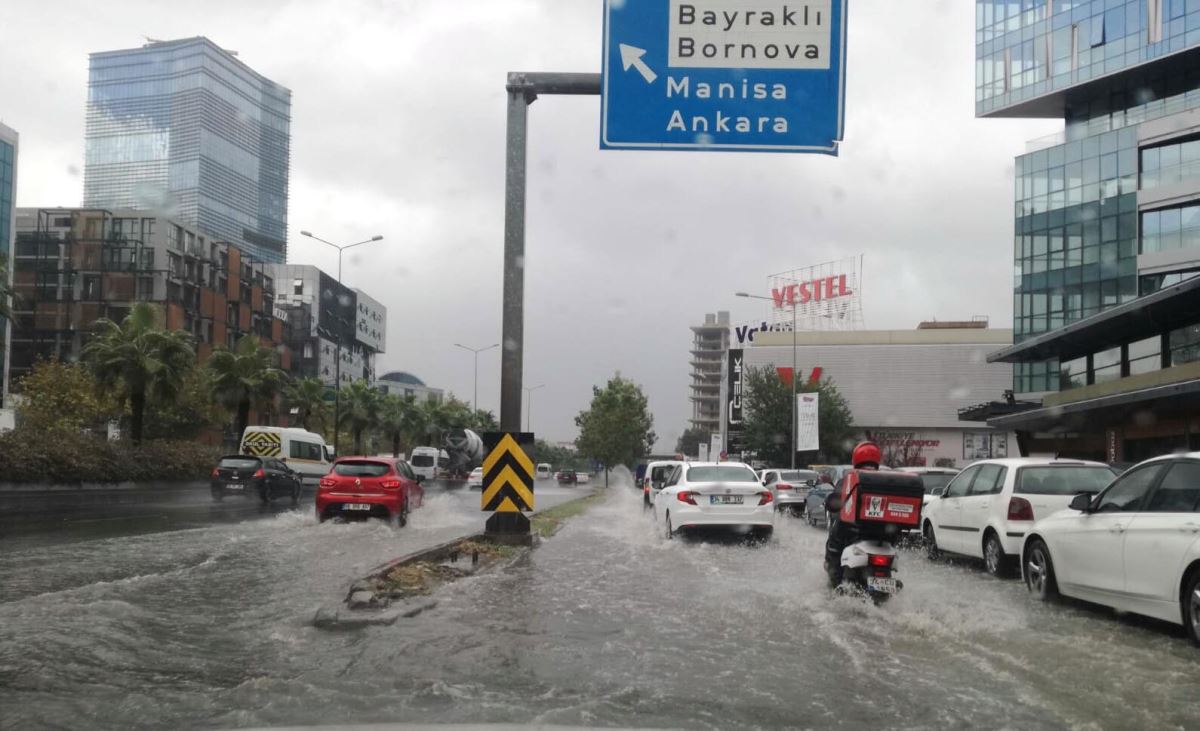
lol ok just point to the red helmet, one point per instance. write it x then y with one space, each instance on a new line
866 453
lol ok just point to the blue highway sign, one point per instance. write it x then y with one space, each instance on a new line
740 75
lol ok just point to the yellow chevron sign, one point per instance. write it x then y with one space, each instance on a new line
507 478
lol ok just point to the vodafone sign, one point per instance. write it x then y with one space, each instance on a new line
802 293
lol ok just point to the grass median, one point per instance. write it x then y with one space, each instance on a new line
546 523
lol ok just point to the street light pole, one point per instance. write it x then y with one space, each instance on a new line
792 449
476 352
337 368
529 412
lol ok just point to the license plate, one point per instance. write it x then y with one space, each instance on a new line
724 499
233 487
880 584
356 506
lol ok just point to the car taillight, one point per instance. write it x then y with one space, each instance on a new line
216 472
1019 509
765 497
393 484
646 489
881 561
782 486
261 473
327 482
687 497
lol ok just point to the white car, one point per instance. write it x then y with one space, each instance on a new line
582 478
656 477
1134 547
475 479
987 509
718 494
790 487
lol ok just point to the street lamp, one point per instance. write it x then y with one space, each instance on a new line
793 394
529 393
476 352
337 391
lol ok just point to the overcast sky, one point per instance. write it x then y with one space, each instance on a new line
398 129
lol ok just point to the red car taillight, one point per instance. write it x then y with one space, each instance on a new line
327 482
1019 509
392 484
880 561
216 472
765 497
260 474
686 497
782 486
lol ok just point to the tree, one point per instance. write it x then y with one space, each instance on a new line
245 377
691 439
57 396
188 415
558 457
618 427
400 420
360 411
308 397
140 360
767 416
484 421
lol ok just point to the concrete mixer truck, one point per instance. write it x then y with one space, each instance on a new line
465 449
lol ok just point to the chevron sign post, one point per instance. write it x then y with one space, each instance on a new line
508 481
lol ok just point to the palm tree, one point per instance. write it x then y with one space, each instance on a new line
307 396
244 377
139 359
360 410
395 414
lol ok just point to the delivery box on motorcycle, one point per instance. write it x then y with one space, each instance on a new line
873 499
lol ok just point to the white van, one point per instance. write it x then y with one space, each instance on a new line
543 471
426 461
304 451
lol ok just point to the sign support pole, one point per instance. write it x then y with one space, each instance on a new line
523 90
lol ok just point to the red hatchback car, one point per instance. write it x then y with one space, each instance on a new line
369 487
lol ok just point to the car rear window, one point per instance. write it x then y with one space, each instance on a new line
239 463
422 460
662 472
720 473
934 480
797 476
1064 480
361 469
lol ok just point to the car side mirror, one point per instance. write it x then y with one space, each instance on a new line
1081 502
937 491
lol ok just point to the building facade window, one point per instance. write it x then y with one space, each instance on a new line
1170 164
1106 365
1145 356
1185 345
1168 229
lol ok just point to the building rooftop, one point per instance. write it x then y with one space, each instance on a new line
972 335
402 377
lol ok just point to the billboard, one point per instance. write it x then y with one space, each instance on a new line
807 423
734 383
822 297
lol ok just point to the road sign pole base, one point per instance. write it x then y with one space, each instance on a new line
509 529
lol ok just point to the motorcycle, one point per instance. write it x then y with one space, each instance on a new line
868 569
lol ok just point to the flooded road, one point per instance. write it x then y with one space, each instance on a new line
605 624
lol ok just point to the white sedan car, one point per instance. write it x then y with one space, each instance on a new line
724 494
476 478
1134 547
987 508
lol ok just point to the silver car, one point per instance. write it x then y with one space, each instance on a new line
789 487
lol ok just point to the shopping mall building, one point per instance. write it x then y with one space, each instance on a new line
905 388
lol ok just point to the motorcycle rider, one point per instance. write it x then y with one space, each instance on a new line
866 456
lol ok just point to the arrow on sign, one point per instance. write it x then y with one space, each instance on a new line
632 56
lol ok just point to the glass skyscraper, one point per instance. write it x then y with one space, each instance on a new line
186 128
1108 210
8 209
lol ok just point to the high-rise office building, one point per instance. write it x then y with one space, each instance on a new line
186 129
710 342
8 211
1107 218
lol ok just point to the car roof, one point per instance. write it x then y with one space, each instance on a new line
354 458
240 456
717 464
665 463
1039 461
930 470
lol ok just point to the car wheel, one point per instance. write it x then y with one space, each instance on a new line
401 518
932 552
1039 572
296 494
1191 607
670 532
994 558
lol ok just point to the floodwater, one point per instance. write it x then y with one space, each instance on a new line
605 624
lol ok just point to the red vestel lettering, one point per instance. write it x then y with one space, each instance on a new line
785 375
777 295
815 377
805 293
842 290
817 290
829 289
791 294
